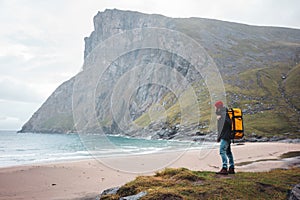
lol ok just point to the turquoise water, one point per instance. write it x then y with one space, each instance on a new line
28 148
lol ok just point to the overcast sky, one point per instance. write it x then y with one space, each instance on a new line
42 42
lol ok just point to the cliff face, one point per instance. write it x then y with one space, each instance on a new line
257 65
55 115
111 22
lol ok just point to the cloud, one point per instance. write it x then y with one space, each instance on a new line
10 123
254 12
15 90
257 12
15 113
39 49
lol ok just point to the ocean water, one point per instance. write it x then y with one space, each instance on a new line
31 148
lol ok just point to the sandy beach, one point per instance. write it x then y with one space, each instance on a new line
87 178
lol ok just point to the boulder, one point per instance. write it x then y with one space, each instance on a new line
134 197
113 190
295 193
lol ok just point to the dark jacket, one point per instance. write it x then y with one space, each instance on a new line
224 124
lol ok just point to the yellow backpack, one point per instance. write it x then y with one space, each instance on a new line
237 126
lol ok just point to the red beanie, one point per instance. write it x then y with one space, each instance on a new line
219 104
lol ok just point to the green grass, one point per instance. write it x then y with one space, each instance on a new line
186 184
267 123
260 82
292 86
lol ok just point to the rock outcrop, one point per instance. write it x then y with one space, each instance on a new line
248 58
295 193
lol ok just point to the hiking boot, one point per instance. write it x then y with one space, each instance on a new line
223 172
231 171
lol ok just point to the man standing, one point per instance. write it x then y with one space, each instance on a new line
224 130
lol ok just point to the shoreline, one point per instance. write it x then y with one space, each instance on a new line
91 157
204 146
89 177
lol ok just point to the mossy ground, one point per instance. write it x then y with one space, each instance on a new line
185 184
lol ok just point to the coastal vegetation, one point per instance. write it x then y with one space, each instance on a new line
186 184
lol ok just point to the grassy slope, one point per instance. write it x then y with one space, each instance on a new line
258 92
292 86
185 184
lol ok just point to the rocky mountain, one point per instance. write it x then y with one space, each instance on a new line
259 67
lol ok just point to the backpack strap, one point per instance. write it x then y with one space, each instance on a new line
233 123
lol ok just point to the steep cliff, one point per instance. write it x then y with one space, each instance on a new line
55 115
257 64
